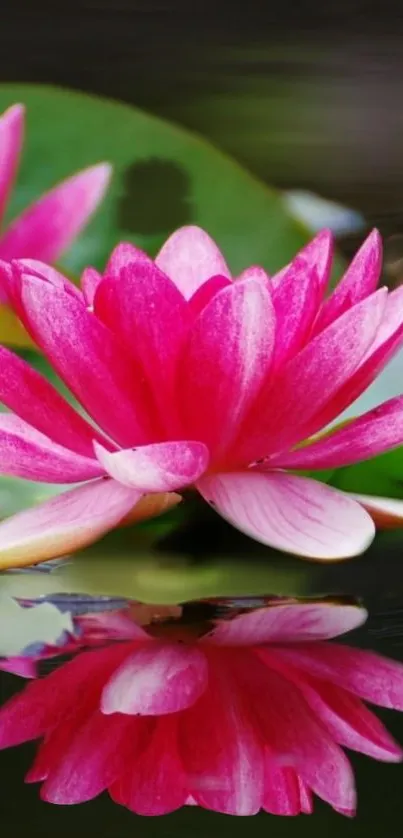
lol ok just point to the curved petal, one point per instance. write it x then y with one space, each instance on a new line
226 361
153 782
31 396
359 281
372 433
89 359
221 747
291 731
27 453
296 300
11 138
124 254
348 720
162 467
316 255
290 513
205 293
310 380
64 523
150 317
49 225
288 624
190 257
40 269
366 674
281 789
156 679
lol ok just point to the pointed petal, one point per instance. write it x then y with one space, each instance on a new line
372 433
281 789
190 257
154 783
150 317
226 361
42 704
48 226
64 523
27 453
157 679
317 255
205 293
291 731
89 359
91 760
35 267
220 747
349 721
290 513
359 281
288 624
11 138
370 676
310 380
387 513
28 393
296 299
125 254
24 667
162 467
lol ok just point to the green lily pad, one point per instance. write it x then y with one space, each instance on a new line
164 177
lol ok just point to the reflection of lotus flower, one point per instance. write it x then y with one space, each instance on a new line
251 715
48 226
199 380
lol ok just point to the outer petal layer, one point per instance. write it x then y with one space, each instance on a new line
48 226
65 523
290 513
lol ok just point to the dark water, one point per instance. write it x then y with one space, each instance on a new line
306 95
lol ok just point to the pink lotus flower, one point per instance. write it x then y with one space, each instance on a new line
250 716
48 226
196 380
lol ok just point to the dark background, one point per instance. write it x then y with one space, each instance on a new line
307 95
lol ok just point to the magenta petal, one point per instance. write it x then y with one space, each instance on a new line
158 678
372 433
154 783
11 138
49 225
296 299
281 789
33 398
226 361
349 721
290 513
150 317
310 380
44 702
162 467
292 733
25 452
190 257
91 759
288 624
64 523
372 677
125 254
317 255
90 279
35 267
206 292
359 281
220 747
88 357
24 667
